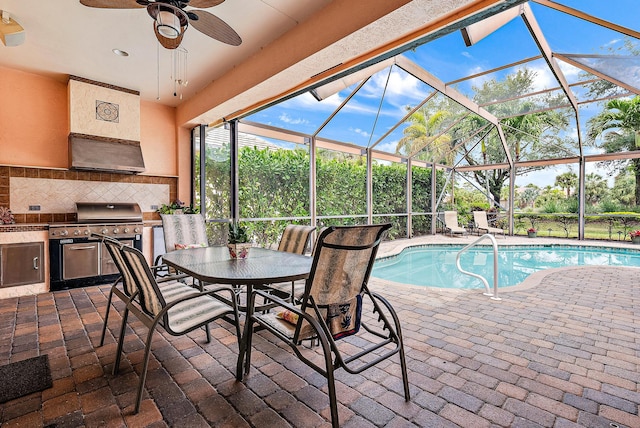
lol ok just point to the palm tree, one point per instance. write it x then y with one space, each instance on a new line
566 181
423 136
621 118
596 188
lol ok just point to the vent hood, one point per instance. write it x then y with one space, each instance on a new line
92 153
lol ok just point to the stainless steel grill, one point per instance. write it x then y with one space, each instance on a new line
77 259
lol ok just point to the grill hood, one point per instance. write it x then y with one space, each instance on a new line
106 212
92 153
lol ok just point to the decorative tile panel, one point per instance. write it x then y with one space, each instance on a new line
60 196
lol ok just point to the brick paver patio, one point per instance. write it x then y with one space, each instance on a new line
561 350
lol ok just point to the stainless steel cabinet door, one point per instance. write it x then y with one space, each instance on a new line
21 264
80 260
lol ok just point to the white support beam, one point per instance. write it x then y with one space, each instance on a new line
532 24
431 80
567 58
574 12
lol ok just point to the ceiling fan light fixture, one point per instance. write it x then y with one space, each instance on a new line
170 23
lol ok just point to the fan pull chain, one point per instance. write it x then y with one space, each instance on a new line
158 70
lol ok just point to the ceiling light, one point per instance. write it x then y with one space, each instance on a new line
120 52
11 33
169 23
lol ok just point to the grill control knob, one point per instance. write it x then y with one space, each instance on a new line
86 232
64 233
126 230
104 231
116 231
76 232
136 230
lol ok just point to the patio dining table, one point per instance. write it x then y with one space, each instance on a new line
263 266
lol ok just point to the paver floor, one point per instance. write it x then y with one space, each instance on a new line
560 350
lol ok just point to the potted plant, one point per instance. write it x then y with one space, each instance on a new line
532 232
178 207
238 242
635 236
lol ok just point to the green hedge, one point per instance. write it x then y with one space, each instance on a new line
275 184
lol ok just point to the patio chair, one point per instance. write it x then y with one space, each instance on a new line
182 231
451 223
295 239
333 307
129 289
480 219
178 308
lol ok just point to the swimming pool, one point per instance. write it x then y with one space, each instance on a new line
435 265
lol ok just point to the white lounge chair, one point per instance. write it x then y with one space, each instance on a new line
451 223
480 219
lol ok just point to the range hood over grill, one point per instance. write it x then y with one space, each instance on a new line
107 212
88 152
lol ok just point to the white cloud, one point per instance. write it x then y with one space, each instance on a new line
284 117
613 42
544 79
360 132
571 72
387 146
466 54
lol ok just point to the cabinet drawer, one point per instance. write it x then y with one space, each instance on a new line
21 264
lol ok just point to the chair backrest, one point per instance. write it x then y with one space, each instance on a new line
451 218
342 263
343 260
183 230
113 247
151 298
295 238
480 219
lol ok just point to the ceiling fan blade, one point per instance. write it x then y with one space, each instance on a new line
111 4
204 4
215 28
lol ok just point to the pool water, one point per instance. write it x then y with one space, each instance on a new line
435 265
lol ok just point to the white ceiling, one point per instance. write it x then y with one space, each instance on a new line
64 37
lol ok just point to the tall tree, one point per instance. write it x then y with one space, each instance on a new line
422 135
535 135
624 188
566 181
595 188
617 129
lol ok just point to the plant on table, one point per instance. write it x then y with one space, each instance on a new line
635 236
238 241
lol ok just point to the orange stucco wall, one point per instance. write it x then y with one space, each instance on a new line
158 138
34 118
34 124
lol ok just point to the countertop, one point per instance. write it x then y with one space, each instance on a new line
30 227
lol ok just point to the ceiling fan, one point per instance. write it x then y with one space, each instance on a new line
171 19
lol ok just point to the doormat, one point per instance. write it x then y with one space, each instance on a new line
24 377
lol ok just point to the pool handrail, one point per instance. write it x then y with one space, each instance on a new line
494 243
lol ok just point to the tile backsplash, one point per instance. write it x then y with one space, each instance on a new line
60 196
55 191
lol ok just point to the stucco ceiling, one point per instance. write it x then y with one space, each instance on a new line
65 38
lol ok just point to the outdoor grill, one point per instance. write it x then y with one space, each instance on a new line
76 258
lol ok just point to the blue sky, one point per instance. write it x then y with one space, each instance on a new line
366 118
